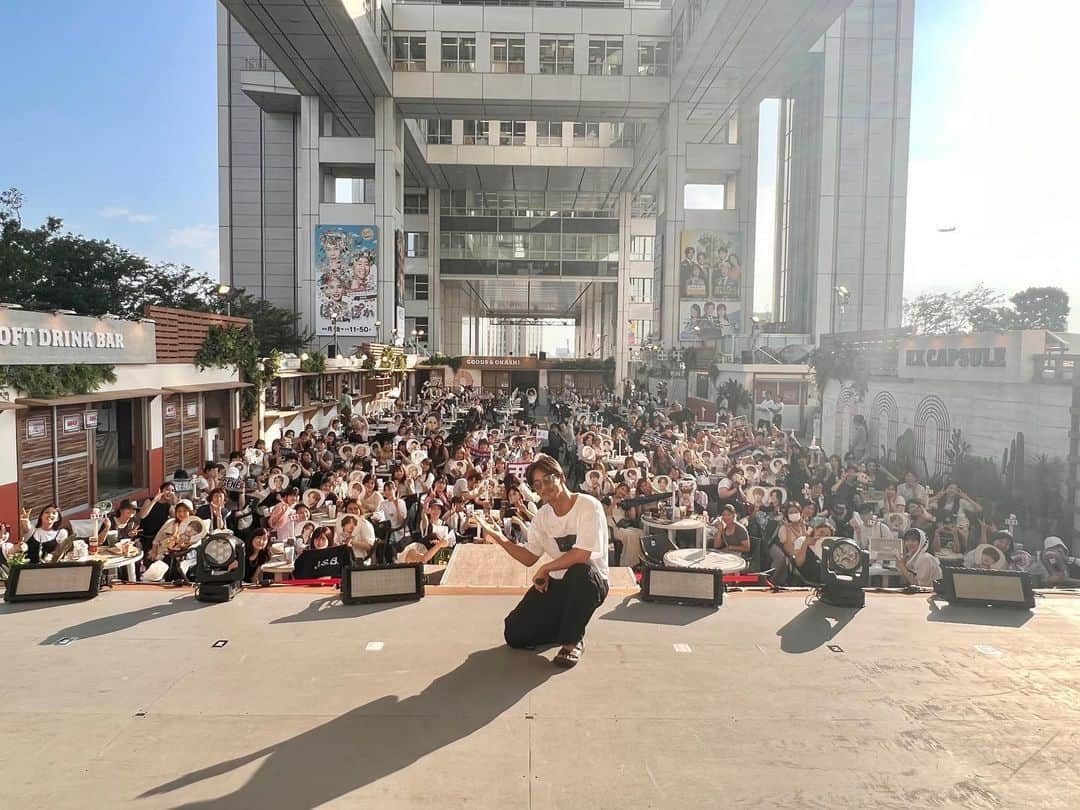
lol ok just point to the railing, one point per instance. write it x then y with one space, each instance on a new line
879 348
1056 369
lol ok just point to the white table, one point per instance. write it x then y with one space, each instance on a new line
724 561
114 562
887 575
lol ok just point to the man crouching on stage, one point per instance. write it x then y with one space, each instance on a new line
571 529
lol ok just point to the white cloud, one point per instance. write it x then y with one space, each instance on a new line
114 212
196 245
1006 179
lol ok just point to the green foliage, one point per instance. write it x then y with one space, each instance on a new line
277 329
841 362
949 313
314 363
238 346
454 362
737 396
50 382
1041 308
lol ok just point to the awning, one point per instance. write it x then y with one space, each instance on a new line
196 389
11 406
98 396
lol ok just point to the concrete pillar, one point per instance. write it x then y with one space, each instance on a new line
307 206
388 169
435 297
672 179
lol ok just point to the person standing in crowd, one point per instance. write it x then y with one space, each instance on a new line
571 528
860 438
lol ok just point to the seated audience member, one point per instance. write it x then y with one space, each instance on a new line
912 490
322 559
915 564
892 501
782 545
172 543
869 527
216 512
11 545
947 539
45 536
393 510
806 552
729 534
256 554
435 536
919 518
1055 566
954 505
281 519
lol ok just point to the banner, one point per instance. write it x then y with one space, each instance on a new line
710 286
346 280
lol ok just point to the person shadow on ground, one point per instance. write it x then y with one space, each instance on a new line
125 621
377 739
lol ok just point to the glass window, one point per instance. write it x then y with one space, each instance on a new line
605 57
440 130
586 133
653 57
353 190
549 133
556 55
641 248
643 205
416 202
416 244
476 132
641 290
458 53
639 332
677 40
410 52
507 53
511 133
416 288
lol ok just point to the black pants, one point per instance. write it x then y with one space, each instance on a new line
558 616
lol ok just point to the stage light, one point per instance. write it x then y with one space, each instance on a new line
982 588
381 583
224 289
701 587
845 571
66 580
218 572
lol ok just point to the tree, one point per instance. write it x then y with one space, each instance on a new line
274 327
949 313
1041 308
44 268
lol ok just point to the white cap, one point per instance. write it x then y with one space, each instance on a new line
1052 542
185 502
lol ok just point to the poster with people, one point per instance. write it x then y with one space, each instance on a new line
710 286
346 280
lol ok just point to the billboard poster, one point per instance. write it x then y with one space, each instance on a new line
710 286
346 280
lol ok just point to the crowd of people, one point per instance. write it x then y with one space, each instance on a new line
405 481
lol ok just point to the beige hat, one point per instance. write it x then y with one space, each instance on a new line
1052 542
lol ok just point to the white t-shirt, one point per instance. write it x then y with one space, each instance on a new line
584 526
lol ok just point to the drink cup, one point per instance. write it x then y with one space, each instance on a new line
331 510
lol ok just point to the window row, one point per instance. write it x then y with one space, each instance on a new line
554 246
440 131
556 54
642 248
641 290
564 204
416 288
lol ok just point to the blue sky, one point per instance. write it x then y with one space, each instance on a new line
111 123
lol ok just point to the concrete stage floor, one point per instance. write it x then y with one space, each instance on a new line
764 703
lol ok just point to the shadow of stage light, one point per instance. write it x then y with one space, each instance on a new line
331 608
105 625
814 627
333 759
632 609
982 616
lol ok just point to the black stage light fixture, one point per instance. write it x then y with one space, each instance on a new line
701 587
382 583
982 588
845 571
65 580
218 572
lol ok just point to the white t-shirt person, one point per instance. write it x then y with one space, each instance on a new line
584 526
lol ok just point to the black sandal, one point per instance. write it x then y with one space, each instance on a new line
569 656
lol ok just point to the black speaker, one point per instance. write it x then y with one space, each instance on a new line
983 588
683 586
331 350
543 355
66 580
382 583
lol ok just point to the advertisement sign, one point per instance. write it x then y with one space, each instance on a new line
346 280
710 286
90 419
45 338
35 428
170 411
978 357
73 422
191 409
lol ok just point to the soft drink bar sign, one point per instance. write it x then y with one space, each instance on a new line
47 338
